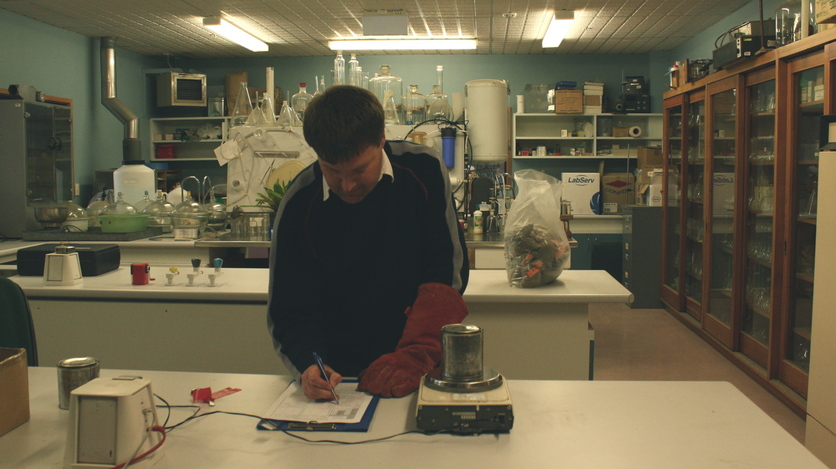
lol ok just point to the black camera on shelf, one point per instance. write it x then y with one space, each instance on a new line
634 96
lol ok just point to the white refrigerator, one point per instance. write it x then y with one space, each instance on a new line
821 395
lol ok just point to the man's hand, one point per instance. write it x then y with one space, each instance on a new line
317 388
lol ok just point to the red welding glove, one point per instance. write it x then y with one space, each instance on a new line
399 373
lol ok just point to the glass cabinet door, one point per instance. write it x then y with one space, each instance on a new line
807 110
694 205
759 226
720 304
672 233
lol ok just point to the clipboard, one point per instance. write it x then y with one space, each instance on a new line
287 425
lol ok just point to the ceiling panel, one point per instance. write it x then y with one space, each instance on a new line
297 27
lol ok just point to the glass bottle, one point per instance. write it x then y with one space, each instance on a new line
439 77
386 81
390 110
339 69
353 73
414 106
243 106
438 105
364 78
300 100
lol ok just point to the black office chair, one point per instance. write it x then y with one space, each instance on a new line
16 327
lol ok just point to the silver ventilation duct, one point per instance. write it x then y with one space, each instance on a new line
131 148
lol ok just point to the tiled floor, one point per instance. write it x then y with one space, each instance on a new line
650 344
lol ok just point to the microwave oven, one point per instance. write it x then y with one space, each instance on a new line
181 89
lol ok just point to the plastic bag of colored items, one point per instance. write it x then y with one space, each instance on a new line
536 246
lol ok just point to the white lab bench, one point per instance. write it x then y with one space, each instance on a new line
530 333
156 250
565 424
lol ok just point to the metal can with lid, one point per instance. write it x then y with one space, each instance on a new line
72 373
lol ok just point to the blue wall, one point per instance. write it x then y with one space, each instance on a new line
702 45
61 63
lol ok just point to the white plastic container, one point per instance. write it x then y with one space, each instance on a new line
487 115
133 179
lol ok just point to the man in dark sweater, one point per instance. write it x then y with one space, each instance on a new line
368 260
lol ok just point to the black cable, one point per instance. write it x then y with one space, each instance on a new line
169 407
286 432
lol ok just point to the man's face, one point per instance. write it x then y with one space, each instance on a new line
354 179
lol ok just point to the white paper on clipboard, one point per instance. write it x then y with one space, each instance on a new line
294 406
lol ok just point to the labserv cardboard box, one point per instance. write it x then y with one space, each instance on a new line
723 203
618 190
583 190
14 389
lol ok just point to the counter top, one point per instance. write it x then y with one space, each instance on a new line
566 424
9 248
250 285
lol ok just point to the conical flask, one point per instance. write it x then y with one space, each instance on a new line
390 111
268 109
256 117
287 116
243 107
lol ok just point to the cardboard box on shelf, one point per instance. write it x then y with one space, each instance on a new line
583 190
592 100
723 199
649 187
568 101
620 132
14 389
825 11
650 156
618 189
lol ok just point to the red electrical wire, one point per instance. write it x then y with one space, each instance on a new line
155 428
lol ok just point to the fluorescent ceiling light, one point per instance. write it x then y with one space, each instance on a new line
561 22
403 44
234 34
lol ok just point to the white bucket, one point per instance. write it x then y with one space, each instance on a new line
133 179
487 119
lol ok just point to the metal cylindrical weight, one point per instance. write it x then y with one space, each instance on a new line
461 353
72 373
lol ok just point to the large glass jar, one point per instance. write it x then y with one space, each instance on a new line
788 27
159 213
414 109
188 219
386 81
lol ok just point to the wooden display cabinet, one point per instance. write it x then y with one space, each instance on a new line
738 263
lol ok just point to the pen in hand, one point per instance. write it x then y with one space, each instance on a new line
325 375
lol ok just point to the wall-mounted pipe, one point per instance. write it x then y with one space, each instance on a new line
131 145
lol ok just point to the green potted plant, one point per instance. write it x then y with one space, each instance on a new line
273 197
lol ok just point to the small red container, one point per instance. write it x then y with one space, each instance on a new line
141 274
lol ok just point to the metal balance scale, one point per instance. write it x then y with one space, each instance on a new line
461 396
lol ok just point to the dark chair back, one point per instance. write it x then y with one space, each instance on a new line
16 327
